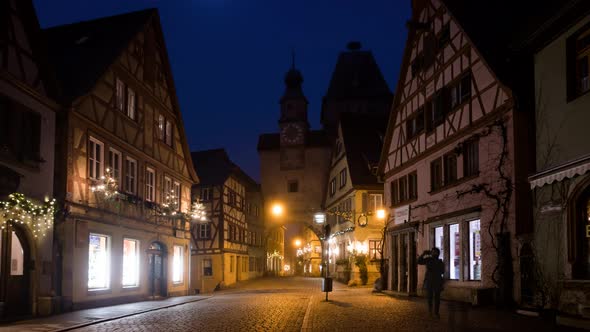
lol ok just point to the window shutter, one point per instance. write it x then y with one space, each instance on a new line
445 101
571 67
5 117
429 50
365 202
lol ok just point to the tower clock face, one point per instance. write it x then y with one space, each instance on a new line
292 134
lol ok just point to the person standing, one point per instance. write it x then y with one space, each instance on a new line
433 280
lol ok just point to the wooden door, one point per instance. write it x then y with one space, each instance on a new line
157 270
412 264
15 272
394 263
238 267
403 257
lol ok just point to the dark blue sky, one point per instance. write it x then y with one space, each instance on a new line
229 57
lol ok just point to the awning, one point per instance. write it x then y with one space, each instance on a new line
558 173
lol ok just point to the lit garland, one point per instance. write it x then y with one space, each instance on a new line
107 185
20 210
197 212
347 215
274 254
344 231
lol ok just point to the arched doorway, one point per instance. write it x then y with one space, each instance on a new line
15 260
157 269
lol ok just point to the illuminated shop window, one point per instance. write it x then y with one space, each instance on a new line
98 261
130 263
439 241
177 266
454 251
474 251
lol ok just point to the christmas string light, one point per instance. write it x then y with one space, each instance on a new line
106 185
170 206
198 212
20 210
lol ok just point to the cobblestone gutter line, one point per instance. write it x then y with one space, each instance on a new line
306 320
94 322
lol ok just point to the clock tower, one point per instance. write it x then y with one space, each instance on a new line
293 121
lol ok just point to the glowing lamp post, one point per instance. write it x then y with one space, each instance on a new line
319 218
277 210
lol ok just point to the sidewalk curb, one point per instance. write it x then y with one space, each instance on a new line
77 326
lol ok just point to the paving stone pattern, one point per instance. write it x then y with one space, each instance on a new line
297 304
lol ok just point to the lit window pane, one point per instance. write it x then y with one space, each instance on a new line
177 266
474 251
130 263
439 240
454 251
207 267
98 262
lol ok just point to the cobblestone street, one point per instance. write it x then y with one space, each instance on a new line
296 304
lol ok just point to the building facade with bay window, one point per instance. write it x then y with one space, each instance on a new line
453 179
353 196
124 173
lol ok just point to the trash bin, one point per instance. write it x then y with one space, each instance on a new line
327 285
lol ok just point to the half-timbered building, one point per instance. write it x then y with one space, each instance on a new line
452 177
354 194
228 247
125 173
27 137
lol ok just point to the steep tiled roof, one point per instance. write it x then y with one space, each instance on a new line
214 167
357 75
315 138
362 135
81 52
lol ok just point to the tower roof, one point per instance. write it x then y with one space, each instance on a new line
293 82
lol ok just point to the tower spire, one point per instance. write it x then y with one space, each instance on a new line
293 58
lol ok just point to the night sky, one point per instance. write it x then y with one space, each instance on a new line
229 57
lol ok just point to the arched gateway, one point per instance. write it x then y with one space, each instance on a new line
15 271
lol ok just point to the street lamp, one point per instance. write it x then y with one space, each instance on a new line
382 215
277 210
319 218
